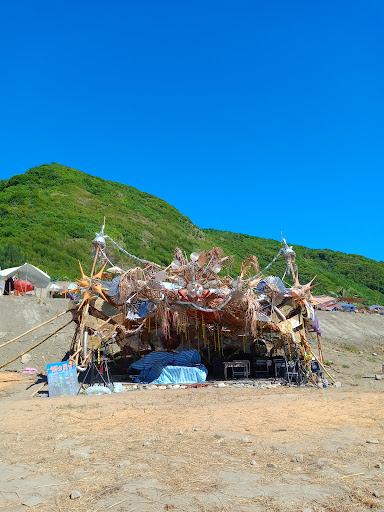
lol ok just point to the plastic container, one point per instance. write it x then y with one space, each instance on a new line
97 390
325 383
118 387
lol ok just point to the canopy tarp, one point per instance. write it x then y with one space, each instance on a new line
152 365
53 287
346 305
23 286
29 273
352 300
323 299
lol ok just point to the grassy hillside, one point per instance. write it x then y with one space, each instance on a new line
49 215
334 270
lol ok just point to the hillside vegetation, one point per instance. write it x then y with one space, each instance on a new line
49 216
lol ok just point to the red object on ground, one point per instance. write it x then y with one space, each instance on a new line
199 385
23 286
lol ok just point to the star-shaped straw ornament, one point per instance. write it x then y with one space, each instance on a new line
89 287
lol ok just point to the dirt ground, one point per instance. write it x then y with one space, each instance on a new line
208 449
201 450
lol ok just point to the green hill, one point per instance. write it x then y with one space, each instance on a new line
49 215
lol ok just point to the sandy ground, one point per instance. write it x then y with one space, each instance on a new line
20 314
198 450
208 449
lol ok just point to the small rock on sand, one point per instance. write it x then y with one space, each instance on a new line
124 464
270 465
81 452
25 358
75 495
244 440
297 458
372 441
32 501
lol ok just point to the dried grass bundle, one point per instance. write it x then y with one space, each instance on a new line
215 302
215 254
129 282
176 320
189 274
172 295
255 282
247 265
163 318
178 255
229 260
203 258
252 312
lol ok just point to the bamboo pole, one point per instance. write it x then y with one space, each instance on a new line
33 329
320 363
94 261
319 348
39 389
37 344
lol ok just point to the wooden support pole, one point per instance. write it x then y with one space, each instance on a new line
39 389
319 348
84 315
94 261
321 364
37 344
33 329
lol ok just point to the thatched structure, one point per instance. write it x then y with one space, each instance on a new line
188 304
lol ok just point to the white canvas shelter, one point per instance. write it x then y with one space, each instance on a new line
27 272
53 287
115 270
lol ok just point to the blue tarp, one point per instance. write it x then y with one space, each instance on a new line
182 375
177 365
347 305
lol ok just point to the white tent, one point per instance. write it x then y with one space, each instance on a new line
115 270
53 287
27 272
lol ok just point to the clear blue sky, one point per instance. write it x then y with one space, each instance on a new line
249 116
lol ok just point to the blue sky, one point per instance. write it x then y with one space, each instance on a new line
248 116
